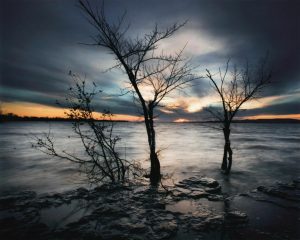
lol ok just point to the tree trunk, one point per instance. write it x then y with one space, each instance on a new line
155 175
229 159
148 120
227 155
224 163
155 169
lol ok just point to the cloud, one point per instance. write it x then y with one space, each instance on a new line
40 44
292 107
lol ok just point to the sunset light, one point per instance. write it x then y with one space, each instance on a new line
153 119
287 116
38 110
181 120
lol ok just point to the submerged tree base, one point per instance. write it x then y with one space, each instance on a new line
194 208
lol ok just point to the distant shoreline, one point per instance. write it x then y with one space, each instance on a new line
284 120
15 118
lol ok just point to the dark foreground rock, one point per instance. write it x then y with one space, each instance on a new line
195 208
273 212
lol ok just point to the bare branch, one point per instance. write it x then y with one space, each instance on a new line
102 162
144 67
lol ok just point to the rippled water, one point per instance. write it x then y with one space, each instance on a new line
263 154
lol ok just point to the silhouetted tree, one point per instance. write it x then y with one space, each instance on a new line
148 72
235 87
101 162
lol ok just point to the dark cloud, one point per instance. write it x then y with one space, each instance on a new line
291 107
40 44
252 28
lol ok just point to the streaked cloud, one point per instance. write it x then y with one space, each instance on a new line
41 43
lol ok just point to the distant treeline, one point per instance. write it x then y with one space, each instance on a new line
274 120
13 117
283 120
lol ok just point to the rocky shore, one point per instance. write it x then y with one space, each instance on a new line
194 208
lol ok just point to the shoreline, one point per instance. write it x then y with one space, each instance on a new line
194 208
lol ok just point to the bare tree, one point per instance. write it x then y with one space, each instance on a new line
156 74
101 163
235 86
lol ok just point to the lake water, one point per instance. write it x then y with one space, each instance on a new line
263 154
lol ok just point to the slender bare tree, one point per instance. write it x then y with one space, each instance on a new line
152 76
102 162
235 86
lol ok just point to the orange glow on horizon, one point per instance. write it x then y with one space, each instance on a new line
23 109
37 110
270 116
181 120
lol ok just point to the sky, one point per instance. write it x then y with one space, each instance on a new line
41 41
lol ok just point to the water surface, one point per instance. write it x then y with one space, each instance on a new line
263 154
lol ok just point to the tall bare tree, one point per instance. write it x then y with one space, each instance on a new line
235 86
149 72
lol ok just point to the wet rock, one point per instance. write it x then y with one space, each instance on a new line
284 191
166 229
79 193
207 223
82 193
19 226
128 227
236 214
44 203
209 182
155 205
119 236
290 186
184 190
37 229
128 213
170 226
181 193
284 195
138 213
20 198
236 217
214 222
213 197
243 194
198 182
198 226
213 190
108 210
168 217
181 185
137 228
297 180
198 194
271 191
